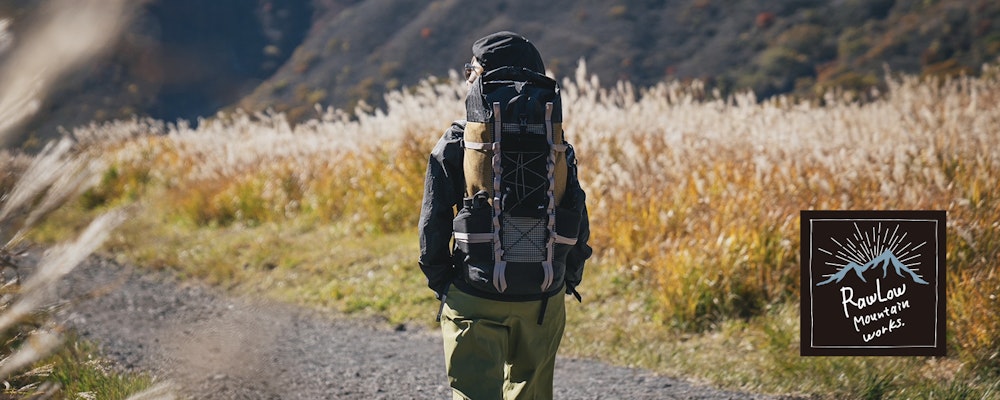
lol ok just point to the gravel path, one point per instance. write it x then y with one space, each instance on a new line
213 346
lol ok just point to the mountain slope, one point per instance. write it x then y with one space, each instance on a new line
185 59
176 59
803 46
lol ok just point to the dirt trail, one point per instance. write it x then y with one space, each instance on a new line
213 346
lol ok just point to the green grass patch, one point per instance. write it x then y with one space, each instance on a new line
78 368
76 371
324 266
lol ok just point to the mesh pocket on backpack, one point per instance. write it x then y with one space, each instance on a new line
514 129
524 239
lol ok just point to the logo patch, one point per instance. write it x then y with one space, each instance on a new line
873 283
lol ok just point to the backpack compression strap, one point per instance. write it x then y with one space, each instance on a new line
499 264
550 166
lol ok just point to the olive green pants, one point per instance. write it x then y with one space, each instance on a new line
496 350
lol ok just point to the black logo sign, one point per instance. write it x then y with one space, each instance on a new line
873 283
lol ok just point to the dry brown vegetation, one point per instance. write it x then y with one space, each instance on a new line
694 201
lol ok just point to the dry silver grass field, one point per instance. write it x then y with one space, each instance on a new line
694 199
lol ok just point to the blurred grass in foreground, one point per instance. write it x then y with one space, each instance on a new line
35 360
694 202
74 371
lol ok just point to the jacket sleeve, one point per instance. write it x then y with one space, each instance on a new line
442 193
580 252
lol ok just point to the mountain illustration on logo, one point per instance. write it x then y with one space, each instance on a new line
884 260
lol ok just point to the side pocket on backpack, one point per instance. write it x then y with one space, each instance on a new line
567 225
567 232
473 227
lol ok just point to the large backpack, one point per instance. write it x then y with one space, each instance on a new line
511 236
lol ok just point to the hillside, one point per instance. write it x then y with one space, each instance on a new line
185 59
771 47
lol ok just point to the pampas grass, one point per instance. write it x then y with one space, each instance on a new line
693 195
32 187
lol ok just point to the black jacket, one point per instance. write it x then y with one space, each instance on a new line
443 190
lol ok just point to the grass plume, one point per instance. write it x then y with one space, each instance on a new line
62 35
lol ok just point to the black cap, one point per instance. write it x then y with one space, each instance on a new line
507 49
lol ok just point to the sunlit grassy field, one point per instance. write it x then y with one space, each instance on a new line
694 203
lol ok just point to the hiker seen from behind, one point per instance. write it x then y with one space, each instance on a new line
503 226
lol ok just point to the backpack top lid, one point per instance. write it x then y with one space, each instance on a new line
507 49
511 86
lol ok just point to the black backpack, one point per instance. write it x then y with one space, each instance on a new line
511 235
